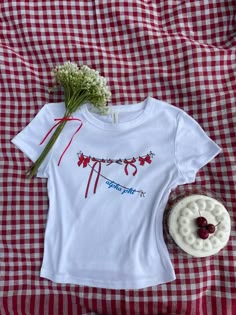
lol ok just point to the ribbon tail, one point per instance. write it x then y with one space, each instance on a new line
66 148
135 171
89 180
134 166
48 133
126 169
60 120
97 178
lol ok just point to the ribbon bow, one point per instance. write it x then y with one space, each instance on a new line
58 123
147 159
131 163
83 160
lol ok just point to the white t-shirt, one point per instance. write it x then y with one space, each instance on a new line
109 191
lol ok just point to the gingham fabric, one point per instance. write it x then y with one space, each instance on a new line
182 52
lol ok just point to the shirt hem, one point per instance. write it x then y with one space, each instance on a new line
116 284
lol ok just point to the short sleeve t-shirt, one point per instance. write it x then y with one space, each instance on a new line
109 191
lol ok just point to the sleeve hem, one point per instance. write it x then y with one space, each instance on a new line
203 163
32 155
196 161
22 146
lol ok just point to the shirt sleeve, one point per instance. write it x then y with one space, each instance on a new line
29 139
193 148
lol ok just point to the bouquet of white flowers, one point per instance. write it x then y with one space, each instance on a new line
81 85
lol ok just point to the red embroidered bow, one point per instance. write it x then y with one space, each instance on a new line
147 159
131 163
83 160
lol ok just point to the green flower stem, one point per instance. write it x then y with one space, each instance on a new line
33 170
72 105
76 100
75 103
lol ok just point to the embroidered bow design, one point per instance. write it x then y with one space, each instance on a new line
83 160
146 159
96 164
131 163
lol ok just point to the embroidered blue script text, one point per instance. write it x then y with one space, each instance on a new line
120 188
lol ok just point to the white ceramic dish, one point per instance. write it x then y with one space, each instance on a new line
183 228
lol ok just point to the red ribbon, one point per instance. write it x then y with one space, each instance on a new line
131 163
58 123
99 162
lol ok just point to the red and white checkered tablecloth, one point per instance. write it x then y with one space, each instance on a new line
182 52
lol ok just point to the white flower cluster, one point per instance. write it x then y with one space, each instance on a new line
82 84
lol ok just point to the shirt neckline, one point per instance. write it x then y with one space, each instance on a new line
145 106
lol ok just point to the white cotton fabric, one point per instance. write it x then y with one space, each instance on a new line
107 196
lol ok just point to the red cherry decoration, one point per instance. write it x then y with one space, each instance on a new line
204 228
201 221
211 228
203 233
